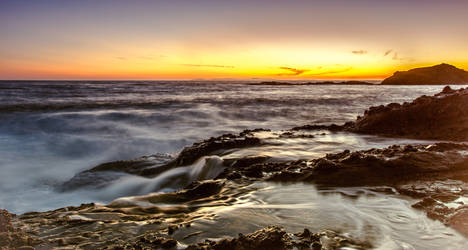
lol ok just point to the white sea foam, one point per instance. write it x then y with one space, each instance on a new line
49 131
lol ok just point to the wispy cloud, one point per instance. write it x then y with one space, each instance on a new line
396 57
329 72
359 52
293 71
388 52
207 65
150 57
146 57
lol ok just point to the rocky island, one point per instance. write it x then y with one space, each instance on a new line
441 74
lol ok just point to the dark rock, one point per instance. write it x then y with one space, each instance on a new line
11 237
171 229
153 165
443 116
233 176
435 75
199 190
459 220
106 173
440 117
435 196
332 127
248 161
147 241
386 166
275 237
227 141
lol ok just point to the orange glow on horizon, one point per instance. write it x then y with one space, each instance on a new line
212 71
259 62
183 40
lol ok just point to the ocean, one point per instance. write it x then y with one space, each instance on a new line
51 130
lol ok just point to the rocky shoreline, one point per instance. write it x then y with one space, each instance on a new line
435 175
443 116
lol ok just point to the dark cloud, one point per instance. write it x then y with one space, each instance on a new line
294 71
359 52
388 52
121 58
207 65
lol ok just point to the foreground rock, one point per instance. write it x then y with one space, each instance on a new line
126 224
153 165
272 237
443 116
440 117
92 226
435 75
442 200
388 166
436 174
227 141
11 237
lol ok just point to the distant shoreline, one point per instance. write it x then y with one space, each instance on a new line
315 83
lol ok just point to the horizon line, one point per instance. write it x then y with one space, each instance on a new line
207 80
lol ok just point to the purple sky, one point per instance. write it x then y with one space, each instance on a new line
161 39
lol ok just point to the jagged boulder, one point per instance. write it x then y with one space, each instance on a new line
443 116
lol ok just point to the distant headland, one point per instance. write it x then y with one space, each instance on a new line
314 83
441 74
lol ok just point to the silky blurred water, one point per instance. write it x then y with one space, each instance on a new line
386 221
50 131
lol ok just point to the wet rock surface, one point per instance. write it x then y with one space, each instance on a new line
442 200
275 237
435 174
272 237
105 173
443 116
388 166
12 237
126 220
153 165
210 146
332 127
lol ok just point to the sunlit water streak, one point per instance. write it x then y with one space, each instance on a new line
387 221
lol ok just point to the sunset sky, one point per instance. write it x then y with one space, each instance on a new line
295 39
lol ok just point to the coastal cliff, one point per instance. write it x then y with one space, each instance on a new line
441 74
